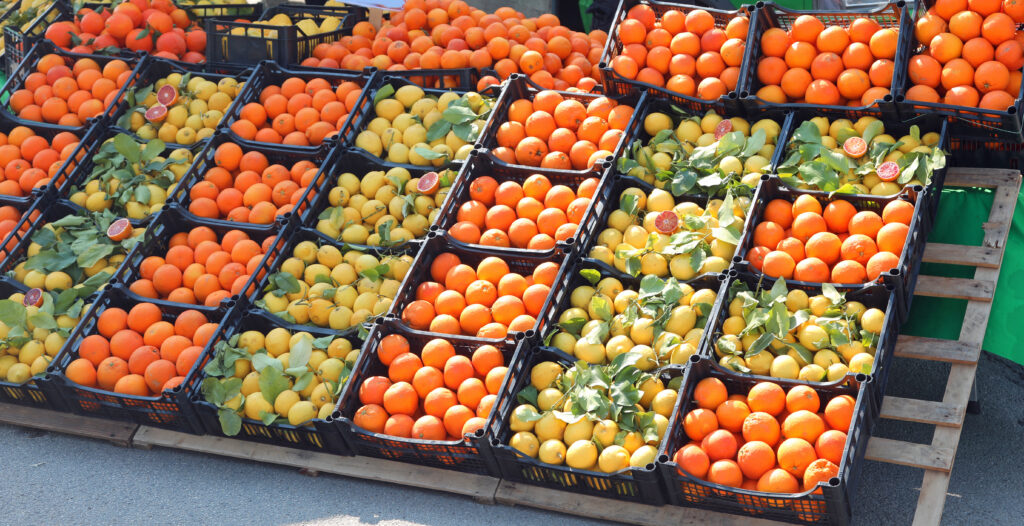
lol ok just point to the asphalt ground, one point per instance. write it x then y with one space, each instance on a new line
50 478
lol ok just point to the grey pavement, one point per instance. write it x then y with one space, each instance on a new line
49 478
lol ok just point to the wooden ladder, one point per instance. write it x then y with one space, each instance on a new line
936 459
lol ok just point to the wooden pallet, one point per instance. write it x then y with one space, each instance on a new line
936 458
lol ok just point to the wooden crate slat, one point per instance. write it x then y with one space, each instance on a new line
924 456
114 431
982 177
965 255
957 288
936 349
923 411
479 487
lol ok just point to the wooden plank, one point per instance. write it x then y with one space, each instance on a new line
923 411
479 487
936 349
958 288
924 456
113 431
934 485
948 254
982 177
511 493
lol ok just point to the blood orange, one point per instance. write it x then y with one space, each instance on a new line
33 298
167 95
855 147
723 128
429 183
156 113
667 222
119 230
888 171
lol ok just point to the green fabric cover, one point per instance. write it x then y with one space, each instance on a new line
961 214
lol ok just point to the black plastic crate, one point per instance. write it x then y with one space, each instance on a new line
460 79
479 164
615 84
151 70
320 436
925 123
268 73
521 264
832 506
169 410
678 109
520 87
990 152
272 265
80 169
170 221
46 210
469 454
199 12
27 394
384 85
614 191
86 136
285 45
965 122
26 218
323 157
637 484
359 162
903 278
882 297
562 299
768 15
27 66
17 43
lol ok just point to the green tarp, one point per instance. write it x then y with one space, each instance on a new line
961 214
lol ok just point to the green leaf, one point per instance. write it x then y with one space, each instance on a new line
93 254
285 282
299 354
262 361
602 307
805 354
778 320
829 291
303 381
729 235
779 290
807 132
428 154
629 203
591 275
469 131
12 313
43 320
384 92
127 147
873 130
272 383
230 422
528 395
438 130
268 418
760 344
754 143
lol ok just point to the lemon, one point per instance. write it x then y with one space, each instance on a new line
682 353
862 363
664 402
784 366
656 122
321 396
547 398
581 430
688 131
255 404
526 443
19 373
813 337
6 362
57 281
517 421
582 454
340 318
643 456
632 441
544 374
549 427
812 373
300 412
613 458
871 320
760 363
837 371
285 401
552 452
605 431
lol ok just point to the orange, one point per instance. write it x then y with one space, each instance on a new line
94 348
693 460
830 445
898 211
371 417
436 352
794 455
725 472
720 444
766 397
761 426
755 459
779 481
780 212
839 412
82 372
709 393
699 423
401 398
731 414
778 264
802 397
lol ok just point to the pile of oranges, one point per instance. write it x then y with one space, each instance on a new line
137 352
155 26
833 65
489 301
9 217
245 187
30 161
838 244
684 52
449 34
973 54
199 268
66 93
553 131
533 215
768 440
298 112
432 394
